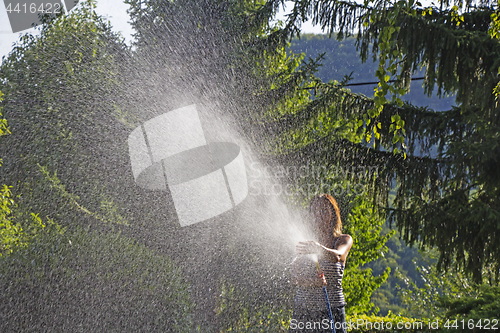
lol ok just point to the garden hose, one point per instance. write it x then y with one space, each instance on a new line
328 307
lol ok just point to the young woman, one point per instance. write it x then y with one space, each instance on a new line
330 249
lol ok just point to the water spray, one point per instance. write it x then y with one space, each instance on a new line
327 300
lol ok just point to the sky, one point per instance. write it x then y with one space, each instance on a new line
114 10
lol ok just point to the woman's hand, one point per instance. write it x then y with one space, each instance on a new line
321 279
304 274
309 247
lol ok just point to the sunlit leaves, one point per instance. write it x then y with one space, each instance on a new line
17 228
494 32
3 122
389 71
455 16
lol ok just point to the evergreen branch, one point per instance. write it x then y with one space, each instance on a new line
330 97
423 125
464 53
347 16
305 73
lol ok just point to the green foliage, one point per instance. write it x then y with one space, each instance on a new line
4 129
83 281
249 319
359 283
449 295
280 70
16 230
60 89
494 32
403 261
341 59
220 41
447 188
111 214
389 57
423 301
389 323
10 234
62 158
268 320
484 305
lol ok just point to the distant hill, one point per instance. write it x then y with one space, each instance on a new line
341 58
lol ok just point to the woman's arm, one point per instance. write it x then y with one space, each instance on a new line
343 246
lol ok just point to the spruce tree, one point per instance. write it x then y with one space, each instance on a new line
441 164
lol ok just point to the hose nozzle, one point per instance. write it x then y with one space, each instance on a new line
320 273
318 268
